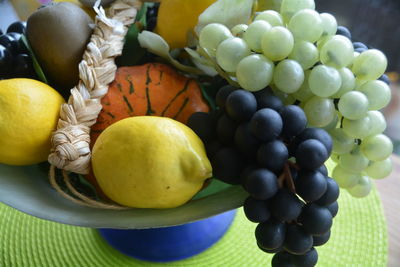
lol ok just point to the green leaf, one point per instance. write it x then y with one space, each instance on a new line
36 66
208 97
227 12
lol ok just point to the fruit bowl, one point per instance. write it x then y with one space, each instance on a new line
27 189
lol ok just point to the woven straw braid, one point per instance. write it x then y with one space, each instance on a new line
71 141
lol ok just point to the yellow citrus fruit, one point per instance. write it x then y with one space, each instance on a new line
29 112
150 162
178 17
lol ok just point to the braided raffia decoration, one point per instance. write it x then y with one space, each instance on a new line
71 141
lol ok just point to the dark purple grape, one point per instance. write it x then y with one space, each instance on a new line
333 208
315 220
273 155
323 170
266 99
315 133
285 206
227 164
261 184
5 40
5 60
360 50
22 65
245 141
310 185
297 241
309 259
15 35
359 45
203 125
319 240
282 259
331 194
18 26
270 234
256 210
246 171
226 128
241 105
212 148
341 30
294 121
271 251
311 154
266 124
223 94
384 78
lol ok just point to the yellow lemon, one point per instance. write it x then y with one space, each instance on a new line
176 18
150 162
29 112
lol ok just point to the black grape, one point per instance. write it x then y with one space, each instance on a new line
309 259
18 26
319 240
384 78
285 206
245 141
318 134
359 45
310 185
316 220
241 105
297 241
223 94
341 30
322 169
226 128
331 194
311 154
203 125
256 210
294 121
261 184
333 208
227 164
266 124
270 234
282 259
273 155
266 99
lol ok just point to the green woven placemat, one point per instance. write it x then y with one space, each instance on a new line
359 238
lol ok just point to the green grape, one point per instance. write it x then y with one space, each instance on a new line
239 30
342 143
377 122
304 93
230 52
212 35
344 178
354 162
322 41
329 24
254 72
379 169
377 147
306 25
271 16
337 52
305 53
290 7
357 128
378 94
333 124
353 105
359 83
288 76
277 43
270 5
324 81
319 111
362 189
254 33
335 157
370 65
348 82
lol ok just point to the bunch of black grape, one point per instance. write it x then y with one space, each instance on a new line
15 61
256 141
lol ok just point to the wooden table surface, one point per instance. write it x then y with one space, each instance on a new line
389 190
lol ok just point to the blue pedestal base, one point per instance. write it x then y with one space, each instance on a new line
169 243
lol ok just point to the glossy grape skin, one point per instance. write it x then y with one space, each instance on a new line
254 33
341 30
291 7
272 17
370 65
320 240
18 26
270 234
256 210
318 134
266 124
384 78
5 60
324 81
304 93
212 35
241 105
266 99
377 122
353 105
354 162
342 143
319 111
316 220
331 194
377 147
360 128
309 259
305 53
362 189
310 185
239 30
245 141
223 94
378 94
261 184
294 121
255 72
379 169
203 125
288 76
285 206
277 43
306 25
337 52
230 52
227 163
329 24
345 178
348 82
282 259
297 241
273 155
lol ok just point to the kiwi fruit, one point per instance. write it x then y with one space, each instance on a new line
58 34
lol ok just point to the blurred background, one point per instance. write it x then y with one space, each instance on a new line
373 22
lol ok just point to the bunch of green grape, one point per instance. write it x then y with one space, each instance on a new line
308 60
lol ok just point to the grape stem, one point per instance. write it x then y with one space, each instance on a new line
286 177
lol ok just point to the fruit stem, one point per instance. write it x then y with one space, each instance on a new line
286 177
